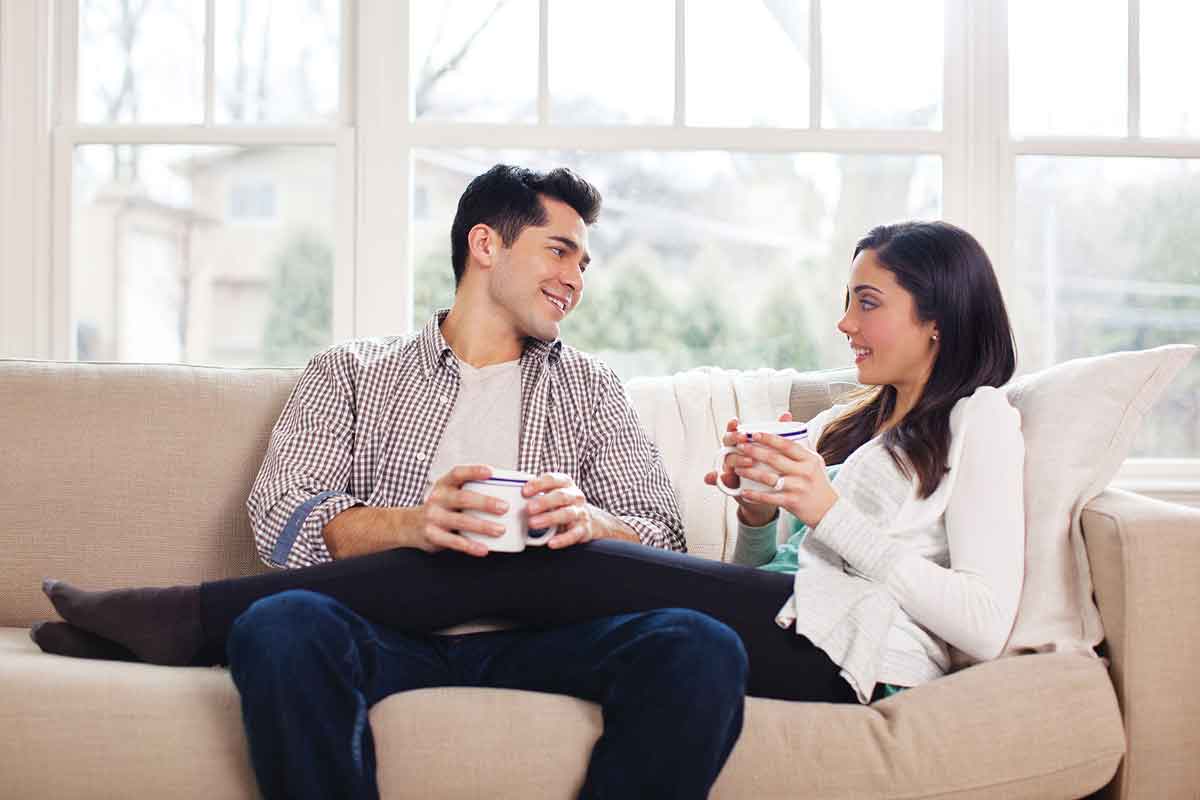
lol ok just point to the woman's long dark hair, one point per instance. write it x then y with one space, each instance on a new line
953 284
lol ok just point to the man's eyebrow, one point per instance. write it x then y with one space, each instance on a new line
573 246
864 286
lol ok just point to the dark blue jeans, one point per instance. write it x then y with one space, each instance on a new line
671 684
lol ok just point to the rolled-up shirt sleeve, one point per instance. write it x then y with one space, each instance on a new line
304 479
623 473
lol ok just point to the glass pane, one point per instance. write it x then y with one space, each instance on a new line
738 260
141 61
213 255
1108 260
1068 62
612 62
730 48
276 62
1170 66
882 64
475 60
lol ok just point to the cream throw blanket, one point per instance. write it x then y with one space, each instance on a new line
685 415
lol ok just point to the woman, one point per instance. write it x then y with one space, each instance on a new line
905 559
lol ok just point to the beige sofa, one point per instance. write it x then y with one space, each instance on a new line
132 474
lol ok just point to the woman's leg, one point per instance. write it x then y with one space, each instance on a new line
410 590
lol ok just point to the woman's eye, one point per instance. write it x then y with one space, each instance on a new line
866 305
558 251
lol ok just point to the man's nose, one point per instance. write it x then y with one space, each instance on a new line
573 277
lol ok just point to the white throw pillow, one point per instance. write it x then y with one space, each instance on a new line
1078 419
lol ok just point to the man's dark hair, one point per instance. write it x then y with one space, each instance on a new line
508 199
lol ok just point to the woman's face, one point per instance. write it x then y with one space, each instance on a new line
891 346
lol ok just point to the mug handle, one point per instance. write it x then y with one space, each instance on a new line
719 467
544 535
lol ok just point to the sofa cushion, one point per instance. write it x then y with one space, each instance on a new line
128 474
1035 726
1078 419
108 729
1044 725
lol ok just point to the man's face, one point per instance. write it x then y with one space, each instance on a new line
538 280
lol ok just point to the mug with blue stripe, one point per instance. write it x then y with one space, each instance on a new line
792 431
506 484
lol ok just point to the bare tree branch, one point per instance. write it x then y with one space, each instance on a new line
429 80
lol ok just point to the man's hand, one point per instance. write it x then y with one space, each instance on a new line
440 518
557 501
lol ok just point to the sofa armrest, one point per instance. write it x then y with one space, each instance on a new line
1145 561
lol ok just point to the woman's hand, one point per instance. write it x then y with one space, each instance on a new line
800 471
751 513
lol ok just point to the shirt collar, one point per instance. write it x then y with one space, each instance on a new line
436 351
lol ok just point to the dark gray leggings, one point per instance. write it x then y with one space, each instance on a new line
410 590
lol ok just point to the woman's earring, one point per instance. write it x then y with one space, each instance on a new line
934 337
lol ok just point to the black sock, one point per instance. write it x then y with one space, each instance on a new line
64 639
160 626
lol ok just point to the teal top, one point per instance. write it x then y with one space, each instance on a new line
787 557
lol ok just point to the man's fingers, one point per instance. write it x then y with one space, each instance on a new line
564 515
457 521
785 416
574 535
455 499
546 482
452 541
555 499
463 473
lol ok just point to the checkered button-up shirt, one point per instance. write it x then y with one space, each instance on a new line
364 421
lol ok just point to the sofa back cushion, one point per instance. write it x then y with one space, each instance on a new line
120 474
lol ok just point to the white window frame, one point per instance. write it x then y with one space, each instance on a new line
66 133
376 136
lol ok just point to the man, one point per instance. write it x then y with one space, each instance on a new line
371 452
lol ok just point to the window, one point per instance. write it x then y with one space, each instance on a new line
246 181
1104 244
727 156
252 201
203 141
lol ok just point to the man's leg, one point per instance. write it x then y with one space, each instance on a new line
308 670
671 684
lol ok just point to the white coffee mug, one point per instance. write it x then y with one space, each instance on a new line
506 485
792 431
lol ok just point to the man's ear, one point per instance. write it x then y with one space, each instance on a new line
483 242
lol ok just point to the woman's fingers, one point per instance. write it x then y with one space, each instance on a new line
764 476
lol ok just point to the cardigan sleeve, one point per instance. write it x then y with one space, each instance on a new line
972 603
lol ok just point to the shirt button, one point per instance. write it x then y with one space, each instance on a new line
443 399
420 456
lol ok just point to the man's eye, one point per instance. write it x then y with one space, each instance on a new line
558 251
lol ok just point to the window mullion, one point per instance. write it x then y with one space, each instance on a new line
680 62
383 162
210 69
1134 70
815 77
67 62
543 95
